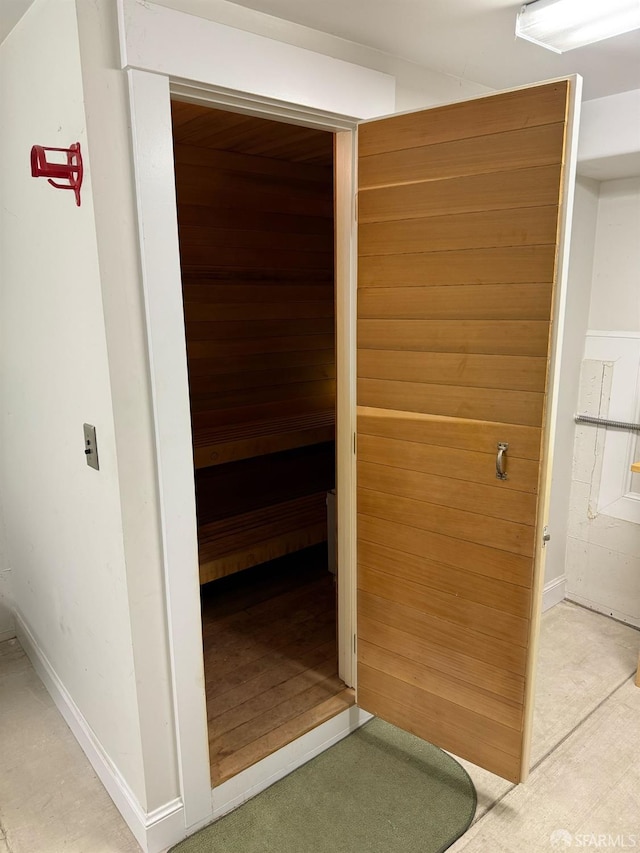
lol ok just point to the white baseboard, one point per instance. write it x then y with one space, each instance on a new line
554 592
154 831
250 782
634 621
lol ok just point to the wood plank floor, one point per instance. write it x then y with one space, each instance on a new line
270 656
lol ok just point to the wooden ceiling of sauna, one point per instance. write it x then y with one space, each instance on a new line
210 128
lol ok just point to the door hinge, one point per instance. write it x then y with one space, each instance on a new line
354 443
355 644
546 536
355 212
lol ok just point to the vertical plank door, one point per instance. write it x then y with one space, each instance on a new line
460 209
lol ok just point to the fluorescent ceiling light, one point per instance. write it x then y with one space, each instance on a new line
562 25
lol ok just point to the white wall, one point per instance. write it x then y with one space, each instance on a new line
610 136
64 532
603 552
577 313
114 201
7 625
416 86
615 298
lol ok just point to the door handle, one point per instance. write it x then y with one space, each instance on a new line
501 472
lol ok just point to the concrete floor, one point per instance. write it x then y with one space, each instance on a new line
584 790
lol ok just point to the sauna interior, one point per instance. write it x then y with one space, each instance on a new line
256 228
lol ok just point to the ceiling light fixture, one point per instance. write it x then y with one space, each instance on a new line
562 25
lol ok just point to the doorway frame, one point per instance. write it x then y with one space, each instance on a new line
157 67
152 144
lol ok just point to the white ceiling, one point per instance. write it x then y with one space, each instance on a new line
473 39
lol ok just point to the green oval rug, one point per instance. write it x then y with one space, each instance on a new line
380 790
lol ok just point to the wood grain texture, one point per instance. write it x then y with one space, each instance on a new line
195 125
524 226
236 543
471 466
468 526
519 407
221 159
447 491
485 703
464 302
269 644
478 726
255 217
495 191
516 373
256 242
480 658
448 550
210 401
453 433
218 445
239 219
257 362
261 412
258 346
414 713
263 378
223 293
458 219
515 149
503 265
456 582
463 612
492 337
479 117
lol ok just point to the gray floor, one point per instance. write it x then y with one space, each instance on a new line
585 781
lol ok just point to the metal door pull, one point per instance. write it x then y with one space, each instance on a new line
501 473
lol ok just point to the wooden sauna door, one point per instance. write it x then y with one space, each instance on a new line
459 212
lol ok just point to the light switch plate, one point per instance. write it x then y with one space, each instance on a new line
91 446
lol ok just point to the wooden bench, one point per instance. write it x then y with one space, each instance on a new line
240 541
229 443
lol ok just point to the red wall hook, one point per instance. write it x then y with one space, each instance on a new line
70 171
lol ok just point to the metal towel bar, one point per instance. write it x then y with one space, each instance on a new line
588 419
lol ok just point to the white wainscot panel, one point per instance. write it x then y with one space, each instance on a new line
617 493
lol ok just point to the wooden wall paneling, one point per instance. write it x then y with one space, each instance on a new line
438 431
458 212
467 465
517 373
272 413
523 188
227 490
483 560
492 337
506 406
455 582
255 210
448 491
527 226
470 526
507 111
465 302
514 149
494 265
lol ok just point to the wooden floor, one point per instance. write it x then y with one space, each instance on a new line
270 659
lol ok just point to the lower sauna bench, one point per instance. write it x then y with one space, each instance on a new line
228 443
232 544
